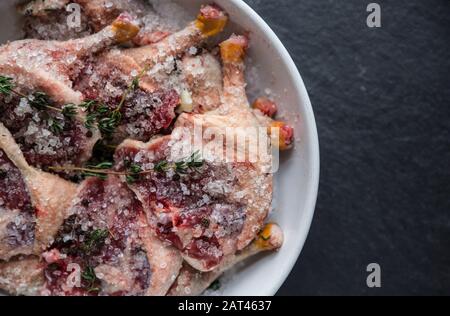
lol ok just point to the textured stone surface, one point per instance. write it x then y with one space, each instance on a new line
381 97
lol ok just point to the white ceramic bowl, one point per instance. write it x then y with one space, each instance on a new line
298 179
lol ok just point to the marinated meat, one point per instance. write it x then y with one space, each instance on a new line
47 20
191 282
148 108
42 74
212 211
34 203
106 240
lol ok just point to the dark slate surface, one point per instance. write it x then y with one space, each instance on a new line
381 98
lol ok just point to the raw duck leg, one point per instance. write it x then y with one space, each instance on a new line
50 67
149 108
191 282
213 211
107 239
47 20
210 22
34 203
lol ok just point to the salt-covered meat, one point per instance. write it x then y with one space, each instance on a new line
202 75
191 210
34 203
50 67
144 113
22 276
17 214
191 282
101 237
104 239
47 20
161 58
42 146
150 107
129 232
213 211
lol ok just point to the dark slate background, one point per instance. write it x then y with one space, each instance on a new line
381 99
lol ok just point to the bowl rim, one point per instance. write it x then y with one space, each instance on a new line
313 143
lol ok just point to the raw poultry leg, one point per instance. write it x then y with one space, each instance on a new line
211 21
107 237
149 108
42 72
34 203
191 282
47 20
217 209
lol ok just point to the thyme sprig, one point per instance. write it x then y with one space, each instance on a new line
109 119
99 114
38 100
41 102
134 172
132 87
95 240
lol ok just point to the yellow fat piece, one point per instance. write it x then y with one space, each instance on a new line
263 240
211 27
124 31
232 52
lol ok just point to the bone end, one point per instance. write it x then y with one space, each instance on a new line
270 238
124 28
282 135
234 49
211 20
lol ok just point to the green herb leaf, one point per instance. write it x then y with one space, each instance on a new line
103 165
6 85
162 166
95 240
215 286
55 126
135 83
39 100
91 279
69 110
89 105
205 222
134 173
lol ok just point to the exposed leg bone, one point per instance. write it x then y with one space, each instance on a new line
49 66
47 19
211 21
